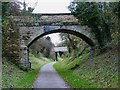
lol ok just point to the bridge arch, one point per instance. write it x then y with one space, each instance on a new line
30 34
88 40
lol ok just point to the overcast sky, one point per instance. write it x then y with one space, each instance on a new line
52 6
55 38
49 6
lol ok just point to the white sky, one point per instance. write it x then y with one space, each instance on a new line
49 6
52 6
55 38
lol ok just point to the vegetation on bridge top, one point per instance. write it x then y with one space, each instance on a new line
39 20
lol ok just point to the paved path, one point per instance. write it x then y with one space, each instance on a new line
49 78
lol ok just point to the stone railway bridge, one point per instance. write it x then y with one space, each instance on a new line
34 26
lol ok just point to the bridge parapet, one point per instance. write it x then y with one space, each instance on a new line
39 20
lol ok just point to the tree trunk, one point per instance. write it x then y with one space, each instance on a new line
98 35
107 32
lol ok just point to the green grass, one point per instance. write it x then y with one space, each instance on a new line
13 77
101 72
72 80
30 77
11 74
0 73
64 69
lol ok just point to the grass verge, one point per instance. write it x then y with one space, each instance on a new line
13 77
83 72
72 80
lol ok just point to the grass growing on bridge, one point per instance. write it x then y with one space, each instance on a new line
13 77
